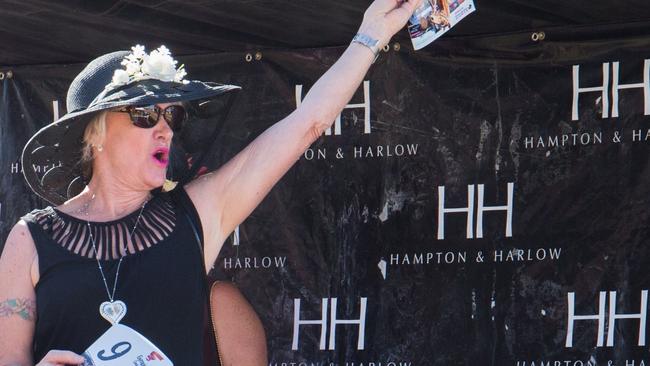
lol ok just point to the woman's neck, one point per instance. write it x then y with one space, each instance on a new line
105 202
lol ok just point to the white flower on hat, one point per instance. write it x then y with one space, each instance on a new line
131 68
138 51
159 65
120 77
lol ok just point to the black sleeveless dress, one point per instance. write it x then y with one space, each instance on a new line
161 279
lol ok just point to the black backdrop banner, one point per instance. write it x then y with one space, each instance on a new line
481 204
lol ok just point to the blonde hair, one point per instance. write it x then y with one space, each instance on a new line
93 136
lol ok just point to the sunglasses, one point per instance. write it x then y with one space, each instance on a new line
147 117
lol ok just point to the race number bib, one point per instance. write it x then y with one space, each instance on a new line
121 345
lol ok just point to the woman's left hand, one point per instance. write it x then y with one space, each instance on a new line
384 18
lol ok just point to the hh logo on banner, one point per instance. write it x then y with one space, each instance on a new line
329 321
480 209
606 94
606 314
616 87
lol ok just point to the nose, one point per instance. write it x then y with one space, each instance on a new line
163 130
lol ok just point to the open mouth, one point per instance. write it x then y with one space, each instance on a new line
161 156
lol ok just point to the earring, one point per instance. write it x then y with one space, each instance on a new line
169 185
100 148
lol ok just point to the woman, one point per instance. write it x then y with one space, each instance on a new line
110 245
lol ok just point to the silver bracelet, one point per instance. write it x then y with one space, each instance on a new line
371 43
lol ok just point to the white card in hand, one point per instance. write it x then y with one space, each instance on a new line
121 345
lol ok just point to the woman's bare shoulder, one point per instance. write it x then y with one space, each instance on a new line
19 240
19 256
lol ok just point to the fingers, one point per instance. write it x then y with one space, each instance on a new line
384 18
411 5
62 358
387 6
403 12
384 6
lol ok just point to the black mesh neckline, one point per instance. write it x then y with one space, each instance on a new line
156 223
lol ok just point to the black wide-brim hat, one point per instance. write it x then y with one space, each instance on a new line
57 147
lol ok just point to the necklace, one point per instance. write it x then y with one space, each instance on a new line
112 310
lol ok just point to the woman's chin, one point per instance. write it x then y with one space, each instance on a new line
156 181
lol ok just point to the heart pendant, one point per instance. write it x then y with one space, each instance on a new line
113 311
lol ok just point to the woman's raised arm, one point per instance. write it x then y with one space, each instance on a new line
227 196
